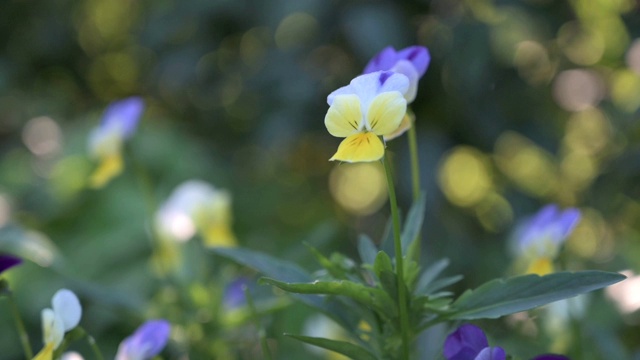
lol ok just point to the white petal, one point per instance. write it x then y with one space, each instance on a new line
67 306
52 328
407 69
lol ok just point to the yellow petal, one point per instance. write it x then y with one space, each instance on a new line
361 147
46 353
109 168
541 266
386 112
406 124
344 116
219 235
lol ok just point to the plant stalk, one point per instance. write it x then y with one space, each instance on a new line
402 295
415 184
24 337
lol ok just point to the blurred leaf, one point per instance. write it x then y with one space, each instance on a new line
503 297
367 249
373 298
382 263
413 224
430 274
334 269
353 351
29 244
290 272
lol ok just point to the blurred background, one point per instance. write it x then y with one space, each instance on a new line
525 103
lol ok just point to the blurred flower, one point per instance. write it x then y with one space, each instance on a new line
469 342
119 122
71 355
146 342
538 240
197 206
234 293
64 316
8 261
372 105
412 62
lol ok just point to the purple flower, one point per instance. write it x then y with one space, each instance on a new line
123 114
543 234
8 261
411 62
146 342
469 342
234 293
550 357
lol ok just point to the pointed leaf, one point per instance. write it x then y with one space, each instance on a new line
413 224
348 349
442 283
507 296
367 249
373 298
382 263
332 268
290 272
430 274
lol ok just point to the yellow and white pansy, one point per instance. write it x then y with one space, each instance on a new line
371 106
64 315
119 123
196 206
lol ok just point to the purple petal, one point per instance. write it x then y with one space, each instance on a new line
568 221
419 57
465 343
8 261
384 60
491 353
384 76
146 342
124 114
551 357
234 293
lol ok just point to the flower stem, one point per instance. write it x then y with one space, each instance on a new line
256 318
402 295
94 347
415 183
24 337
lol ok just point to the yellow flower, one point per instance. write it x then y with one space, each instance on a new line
371 106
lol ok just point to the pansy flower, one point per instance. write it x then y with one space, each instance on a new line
64 315
196 206
412 62
469 342
8 261
119 122
538 240
372 105
146 342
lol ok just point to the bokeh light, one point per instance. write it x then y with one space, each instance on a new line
465 176
359 188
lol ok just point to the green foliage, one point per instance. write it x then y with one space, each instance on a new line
353 351
503 297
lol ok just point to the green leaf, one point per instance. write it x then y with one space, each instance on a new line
389 282
382 263
290 272
442 283
331 267
430 274
507 296
367 249
374 298
413 224
348 349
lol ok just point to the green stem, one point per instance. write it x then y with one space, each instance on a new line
402 295
24 337
415 182
94 347
261 332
